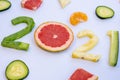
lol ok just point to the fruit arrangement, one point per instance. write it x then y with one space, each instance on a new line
54 37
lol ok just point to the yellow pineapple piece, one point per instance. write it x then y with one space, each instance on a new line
81 52
91 43
64 3
86 56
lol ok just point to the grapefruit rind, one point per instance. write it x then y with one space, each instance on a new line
94 77
49 48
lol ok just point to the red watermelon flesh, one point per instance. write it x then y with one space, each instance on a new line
31 4
53 35
81 74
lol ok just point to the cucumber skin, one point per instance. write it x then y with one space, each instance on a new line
6 8
18 79
10 42
114 49
103 17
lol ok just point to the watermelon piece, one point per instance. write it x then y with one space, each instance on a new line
81 74
53 36
31 4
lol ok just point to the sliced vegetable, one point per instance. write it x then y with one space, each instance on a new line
16 70
4 5
78 17
104 12
10 42
114 47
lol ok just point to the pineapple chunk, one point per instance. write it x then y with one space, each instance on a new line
86 56
64 3
81 52
91 43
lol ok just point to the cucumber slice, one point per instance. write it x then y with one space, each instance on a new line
114 47
4 5
17 70
104 12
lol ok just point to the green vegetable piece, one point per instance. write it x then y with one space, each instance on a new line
10 42
4 5
114 47
104 12
16 70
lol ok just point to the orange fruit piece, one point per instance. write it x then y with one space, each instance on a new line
78 17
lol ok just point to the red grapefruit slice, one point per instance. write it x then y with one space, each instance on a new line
53 36
81 74
31 4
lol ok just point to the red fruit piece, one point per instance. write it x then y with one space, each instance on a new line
81 74
31 4
53 36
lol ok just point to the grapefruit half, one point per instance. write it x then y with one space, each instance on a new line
53 36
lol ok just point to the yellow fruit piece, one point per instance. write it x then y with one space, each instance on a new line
91 43
109 33
81 52
86 56
64 3
78 17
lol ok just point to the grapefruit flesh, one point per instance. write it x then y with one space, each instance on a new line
55 33
31 4
81 74
53 36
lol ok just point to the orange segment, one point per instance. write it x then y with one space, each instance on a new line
78 17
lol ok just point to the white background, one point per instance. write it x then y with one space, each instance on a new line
44 65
